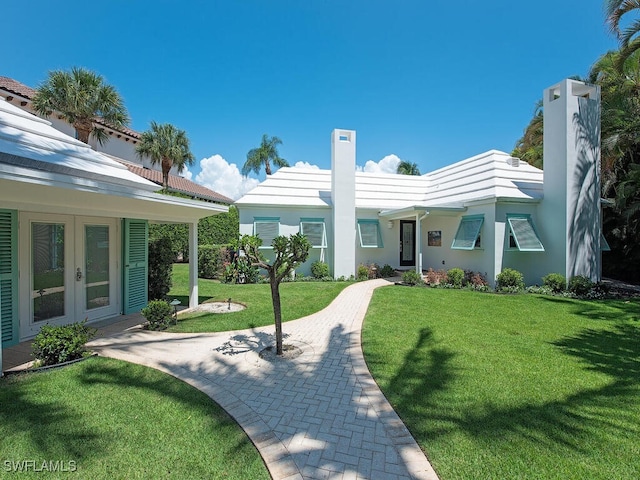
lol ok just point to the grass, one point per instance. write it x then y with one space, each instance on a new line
120 420
298 299
511 386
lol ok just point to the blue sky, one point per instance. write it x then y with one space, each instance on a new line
430 82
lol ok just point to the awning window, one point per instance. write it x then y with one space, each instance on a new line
522 234
315 231
266 228
468 232
369 234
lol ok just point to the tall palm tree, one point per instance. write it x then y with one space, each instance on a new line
529 147
266 153
81 97
408 168
628 36
167 145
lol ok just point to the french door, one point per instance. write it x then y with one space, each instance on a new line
72 270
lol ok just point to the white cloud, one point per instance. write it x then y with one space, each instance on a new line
388 164
186 173
306 166
220 176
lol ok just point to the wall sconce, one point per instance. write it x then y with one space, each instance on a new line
390 224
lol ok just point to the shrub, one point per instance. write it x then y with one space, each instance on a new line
476 281
319 270
434 278
555 281
240 270
211 260
411 277
158 314
509 281
543 290
455 277
362 272
61 343
387 271
580 285
161 257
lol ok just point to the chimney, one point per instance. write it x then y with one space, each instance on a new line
570 210
343 199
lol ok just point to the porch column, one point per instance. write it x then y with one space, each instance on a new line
193 264
418 246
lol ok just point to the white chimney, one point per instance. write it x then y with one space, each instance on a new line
343 199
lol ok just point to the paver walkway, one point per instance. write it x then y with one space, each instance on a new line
317 416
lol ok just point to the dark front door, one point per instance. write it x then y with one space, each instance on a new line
407 242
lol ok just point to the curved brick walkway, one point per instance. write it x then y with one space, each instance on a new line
318 416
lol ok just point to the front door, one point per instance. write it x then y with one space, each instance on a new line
72 272
407 243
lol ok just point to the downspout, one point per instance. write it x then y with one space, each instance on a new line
419 242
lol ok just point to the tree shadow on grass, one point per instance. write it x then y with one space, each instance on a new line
417 393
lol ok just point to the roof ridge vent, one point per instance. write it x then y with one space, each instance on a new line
513 161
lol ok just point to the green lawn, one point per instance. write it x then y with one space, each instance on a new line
298 299
511 386
119 420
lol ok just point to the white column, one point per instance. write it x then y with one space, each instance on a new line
193 264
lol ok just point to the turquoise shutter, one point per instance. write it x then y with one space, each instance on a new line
135 261
9 276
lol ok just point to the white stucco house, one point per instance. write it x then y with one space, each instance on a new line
484 214
74 228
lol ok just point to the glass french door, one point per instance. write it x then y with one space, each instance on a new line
72 274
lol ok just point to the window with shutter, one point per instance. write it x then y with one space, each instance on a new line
9 276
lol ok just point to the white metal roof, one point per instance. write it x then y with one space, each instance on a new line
44 169
493 174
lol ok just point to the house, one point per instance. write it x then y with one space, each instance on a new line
484 214
73 229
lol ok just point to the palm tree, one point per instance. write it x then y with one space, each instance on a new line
81 97
529 147
616 10
408 168
267 152
167 145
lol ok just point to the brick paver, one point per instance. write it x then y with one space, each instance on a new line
318 416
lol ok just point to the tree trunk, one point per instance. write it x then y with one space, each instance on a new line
277 311
83 130
267 167
166 167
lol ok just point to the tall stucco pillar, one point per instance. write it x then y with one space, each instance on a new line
570 211
343 199
193 264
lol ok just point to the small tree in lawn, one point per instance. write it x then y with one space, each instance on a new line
289 253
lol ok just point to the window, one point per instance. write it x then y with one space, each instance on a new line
266 228
314 230
468 234
522 234
369 234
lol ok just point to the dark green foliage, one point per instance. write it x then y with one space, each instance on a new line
580 285
455 277
387 271
221 229
160 266
555 281
319 270
239 270
212 260
61 343
158 314
411 277
509 281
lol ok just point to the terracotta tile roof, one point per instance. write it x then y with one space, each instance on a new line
179 184
17 88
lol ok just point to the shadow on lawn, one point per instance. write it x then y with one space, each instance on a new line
427 372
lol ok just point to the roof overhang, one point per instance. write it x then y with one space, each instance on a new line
48 196
408 212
